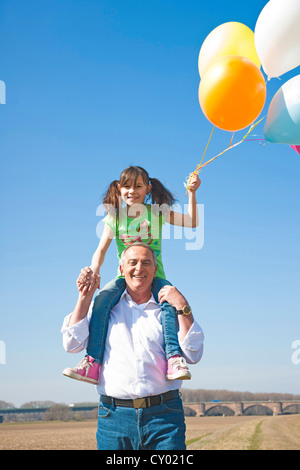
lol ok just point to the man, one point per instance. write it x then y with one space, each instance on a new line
139 409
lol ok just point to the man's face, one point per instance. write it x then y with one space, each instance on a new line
138 268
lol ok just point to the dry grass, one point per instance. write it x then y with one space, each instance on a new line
70 435
206 433
246 433
283 432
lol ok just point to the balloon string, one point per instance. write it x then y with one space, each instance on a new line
212 159
202 165
207 144
195 172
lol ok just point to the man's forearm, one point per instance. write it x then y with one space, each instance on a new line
185 322
81 309
84 299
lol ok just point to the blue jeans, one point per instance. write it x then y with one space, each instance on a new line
160 427
108 297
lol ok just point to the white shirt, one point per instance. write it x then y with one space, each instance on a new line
134 362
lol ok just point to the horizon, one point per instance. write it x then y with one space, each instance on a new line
183 391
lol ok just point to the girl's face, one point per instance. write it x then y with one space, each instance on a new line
135 193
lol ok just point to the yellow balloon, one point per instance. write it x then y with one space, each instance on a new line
231 38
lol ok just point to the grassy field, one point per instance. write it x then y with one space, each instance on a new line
244 433
206 433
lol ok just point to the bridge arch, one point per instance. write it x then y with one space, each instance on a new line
292 408
220 410
258 409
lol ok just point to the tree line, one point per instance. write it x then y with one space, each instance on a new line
204 395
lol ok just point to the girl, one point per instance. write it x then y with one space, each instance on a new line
136 222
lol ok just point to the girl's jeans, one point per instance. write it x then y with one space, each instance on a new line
108 297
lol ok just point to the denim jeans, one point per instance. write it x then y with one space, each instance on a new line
108 297
160 427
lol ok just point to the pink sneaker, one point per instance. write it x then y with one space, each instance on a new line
177 369
86 371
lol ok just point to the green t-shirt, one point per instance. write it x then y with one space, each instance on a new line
146 228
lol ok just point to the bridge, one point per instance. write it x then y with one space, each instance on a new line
37 411
46 408
244 408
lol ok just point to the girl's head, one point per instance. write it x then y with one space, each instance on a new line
136 187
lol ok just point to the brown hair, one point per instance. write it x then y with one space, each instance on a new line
159 194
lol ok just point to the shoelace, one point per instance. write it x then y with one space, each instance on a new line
179 362
85 364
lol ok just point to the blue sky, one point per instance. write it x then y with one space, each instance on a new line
92 87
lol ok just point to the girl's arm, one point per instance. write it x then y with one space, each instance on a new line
191 218
84 281
99 255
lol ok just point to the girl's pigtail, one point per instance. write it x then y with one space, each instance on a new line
160 194
111 199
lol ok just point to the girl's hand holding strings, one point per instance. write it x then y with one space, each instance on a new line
194 183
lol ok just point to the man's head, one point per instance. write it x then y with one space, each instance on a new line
138 266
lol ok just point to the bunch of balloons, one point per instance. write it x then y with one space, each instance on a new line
232 90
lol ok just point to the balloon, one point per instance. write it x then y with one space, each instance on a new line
283 118
277 36
232 93
296 148
227 39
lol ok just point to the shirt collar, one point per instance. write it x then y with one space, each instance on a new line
128 298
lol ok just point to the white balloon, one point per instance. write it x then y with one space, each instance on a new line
283 120
277 36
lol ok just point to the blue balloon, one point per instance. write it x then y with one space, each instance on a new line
283 118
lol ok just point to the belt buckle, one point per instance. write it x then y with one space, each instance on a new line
139 403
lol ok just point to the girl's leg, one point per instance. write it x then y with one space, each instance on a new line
176 365
107 298
169 320
88 369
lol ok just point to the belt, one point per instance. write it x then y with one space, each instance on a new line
145 402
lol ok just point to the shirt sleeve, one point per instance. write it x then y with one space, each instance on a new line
192 344
75 337
110 221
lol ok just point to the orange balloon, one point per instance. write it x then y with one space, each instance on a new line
232 93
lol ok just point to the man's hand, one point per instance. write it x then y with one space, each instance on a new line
88 281
173 296
85 295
